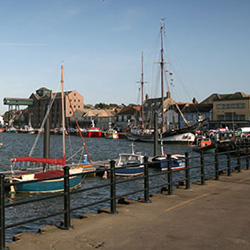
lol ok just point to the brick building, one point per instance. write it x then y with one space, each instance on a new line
42 98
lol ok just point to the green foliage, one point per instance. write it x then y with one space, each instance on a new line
105 106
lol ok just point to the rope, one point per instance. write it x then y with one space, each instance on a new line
75 154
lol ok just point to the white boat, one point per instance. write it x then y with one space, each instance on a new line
129 164
186 138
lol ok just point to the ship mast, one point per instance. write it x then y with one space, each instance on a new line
63 115
162 79
142 107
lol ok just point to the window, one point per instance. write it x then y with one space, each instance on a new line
223 106
238 105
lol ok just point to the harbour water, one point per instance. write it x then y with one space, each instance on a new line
100 149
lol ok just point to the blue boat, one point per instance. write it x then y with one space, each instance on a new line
177 162
46 186
129 164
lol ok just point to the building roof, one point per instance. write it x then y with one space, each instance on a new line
129 110
198 108
223 97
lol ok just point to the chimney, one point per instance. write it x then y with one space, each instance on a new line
195 101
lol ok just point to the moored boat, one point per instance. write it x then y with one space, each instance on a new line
111 133
161 162
129 164
45 186
205 145
93 131
52 167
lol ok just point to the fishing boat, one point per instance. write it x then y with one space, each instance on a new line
177 162
52 167
111 133
93 131
205 145
161 161
129 164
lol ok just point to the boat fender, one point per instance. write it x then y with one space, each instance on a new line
12 189
105 175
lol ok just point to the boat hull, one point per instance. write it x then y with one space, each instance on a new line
184 138
48 186
162 163
129 172
187 138
112 136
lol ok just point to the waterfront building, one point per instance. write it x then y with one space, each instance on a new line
173 112
230 110
41 99
127 117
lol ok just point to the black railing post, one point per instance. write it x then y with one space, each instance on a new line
2 213
170 175
156 134
216 164
202 168
146 180
238 159
112 188
247 156
228 164
187 170
67 221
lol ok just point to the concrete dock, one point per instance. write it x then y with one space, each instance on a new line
211 216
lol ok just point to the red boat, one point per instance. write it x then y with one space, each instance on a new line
93 131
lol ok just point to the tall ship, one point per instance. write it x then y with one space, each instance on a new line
175 135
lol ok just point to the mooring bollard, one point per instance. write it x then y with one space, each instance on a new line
2 213
216 164
170 175
202 168
146 180
187 171
67 221
112 188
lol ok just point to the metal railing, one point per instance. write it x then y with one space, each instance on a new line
204 166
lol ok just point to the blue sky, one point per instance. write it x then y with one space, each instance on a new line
207 47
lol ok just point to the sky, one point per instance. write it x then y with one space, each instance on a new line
100 44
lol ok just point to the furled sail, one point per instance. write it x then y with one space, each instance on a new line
55 161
